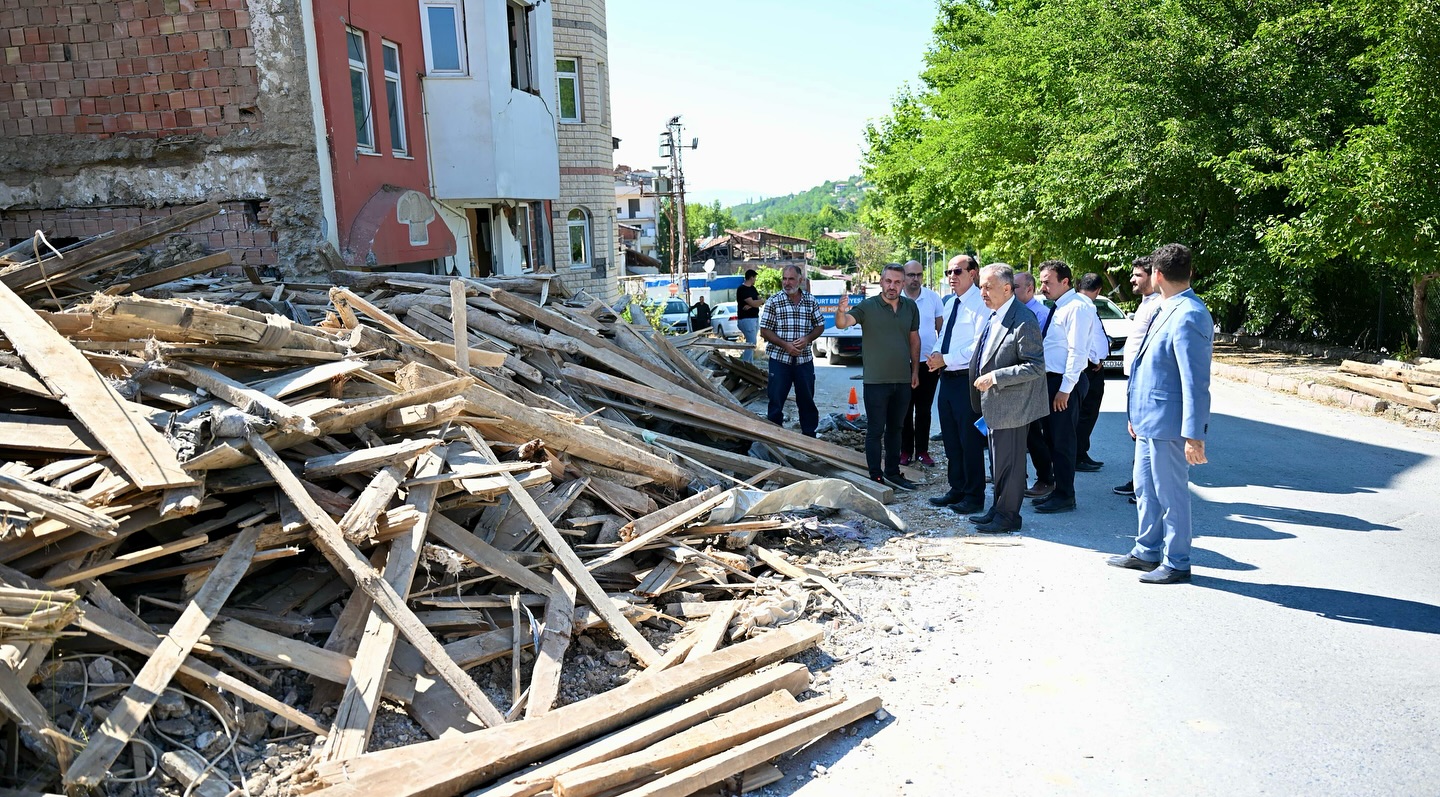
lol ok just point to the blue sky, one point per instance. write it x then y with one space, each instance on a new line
777 91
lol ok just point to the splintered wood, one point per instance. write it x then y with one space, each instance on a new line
387 483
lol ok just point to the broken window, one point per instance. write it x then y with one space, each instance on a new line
522 71
360 90
578 223
444 31
394 99
634 208
567 88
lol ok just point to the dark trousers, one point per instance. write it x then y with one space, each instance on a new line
885 407
801 376
915 433
1040 452
964 445
1007 452
1060 430
1089 412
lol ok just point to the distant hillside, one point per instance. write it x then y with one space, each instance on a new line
843 196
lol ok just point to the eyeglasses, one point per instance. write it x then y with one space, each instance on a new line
956 271
914 274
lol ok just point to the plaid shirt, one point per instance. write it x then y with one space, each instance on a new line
790 320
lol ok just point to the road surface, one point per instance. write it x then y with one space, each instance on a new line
1303 659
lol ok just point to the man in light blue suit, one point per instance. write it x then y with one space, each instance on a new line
1169 409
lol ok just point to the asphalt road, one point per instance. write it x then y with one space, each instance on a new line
1303 659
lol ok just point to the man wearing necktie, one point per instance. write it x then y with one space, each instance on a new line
1067 334
963 312
1009 390
1169 410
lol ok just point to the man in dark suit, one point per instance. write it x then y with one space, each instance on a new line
1009 391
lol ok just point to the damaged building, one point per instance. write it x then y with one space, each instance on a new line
333 133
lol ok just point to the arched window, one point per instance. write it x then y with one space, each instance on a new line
578 223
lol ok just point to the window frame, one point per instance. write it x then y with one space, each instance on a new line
395 105
573 77
457 7
583 225
518 36
362 67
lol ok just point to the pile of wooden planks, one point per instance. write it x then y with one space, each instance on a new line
384 500
1410 385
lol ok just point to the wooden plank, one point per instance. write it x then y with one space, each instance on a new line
16 379
60 505
445 353
364 459
573 567
712 634
129 559
545 676
687 780
458 327
245 398
793 678
309 659
33 433
359 523
652 527
345 557
1405 376
735 727
178 271
454 765
750 426
1389 391
492 559
356 715
141 451
115 732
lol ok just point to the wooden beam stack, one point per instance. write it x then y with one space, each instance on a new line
387 483
1416 386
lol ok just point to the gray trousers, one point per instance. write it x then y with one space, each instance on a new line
1162 495
1007 455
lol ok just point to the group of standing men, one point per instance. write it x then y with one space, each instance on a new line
1013 375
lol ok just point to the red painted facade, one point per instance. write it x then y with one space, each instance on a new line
371 182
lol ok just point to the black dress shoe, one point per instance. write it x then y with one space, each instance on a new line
1166 575
997 526
1132 500
945 500
1056 505
1088 467
983 519
1131 562
969 507
901 483
1128 488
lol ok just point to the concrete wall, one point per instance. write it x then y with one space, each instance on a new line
488 140
111 111
587 159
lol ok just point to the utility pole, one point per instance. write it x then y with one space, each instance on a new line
670 146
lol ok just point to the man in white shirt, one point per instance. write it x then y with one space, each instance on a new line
964 312
1035 443
1067 334
1142 283
1025 294
915 433
1089 289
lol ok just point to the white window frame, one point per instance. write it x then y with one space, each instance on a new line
573 77
521 47
399 144
459 11
361 66
581 225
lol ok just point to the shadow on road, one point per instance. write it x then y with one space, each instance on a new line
1335 604
1257 518
1245 452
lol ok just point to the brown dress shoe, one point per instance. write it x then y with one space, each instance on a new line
1040 488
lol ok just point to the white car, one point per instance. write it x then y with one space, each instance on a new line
1118 328
722 320
675 316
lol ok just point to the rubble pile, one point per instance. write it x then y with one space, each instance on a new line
236 513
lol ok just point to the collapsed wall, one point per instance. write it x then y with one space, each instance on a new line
116 113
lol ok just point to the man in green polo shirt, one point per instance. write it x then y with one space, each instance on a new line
890 344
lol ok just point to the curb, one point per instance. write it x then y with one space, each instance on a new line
1325 394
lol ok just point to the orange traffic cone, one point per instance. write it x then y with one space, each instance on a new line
853 413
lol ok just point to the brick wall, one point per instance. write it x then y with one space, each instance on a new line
242 228
587 154
135 68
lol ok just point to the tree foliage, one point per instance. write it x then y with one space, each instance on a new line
1292 145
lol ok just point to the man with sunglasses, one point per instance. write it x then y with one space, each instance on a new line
915 433
964 313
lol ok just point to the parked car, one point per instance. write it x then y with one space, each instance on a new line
675 316
1118 328
722 320
838 345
